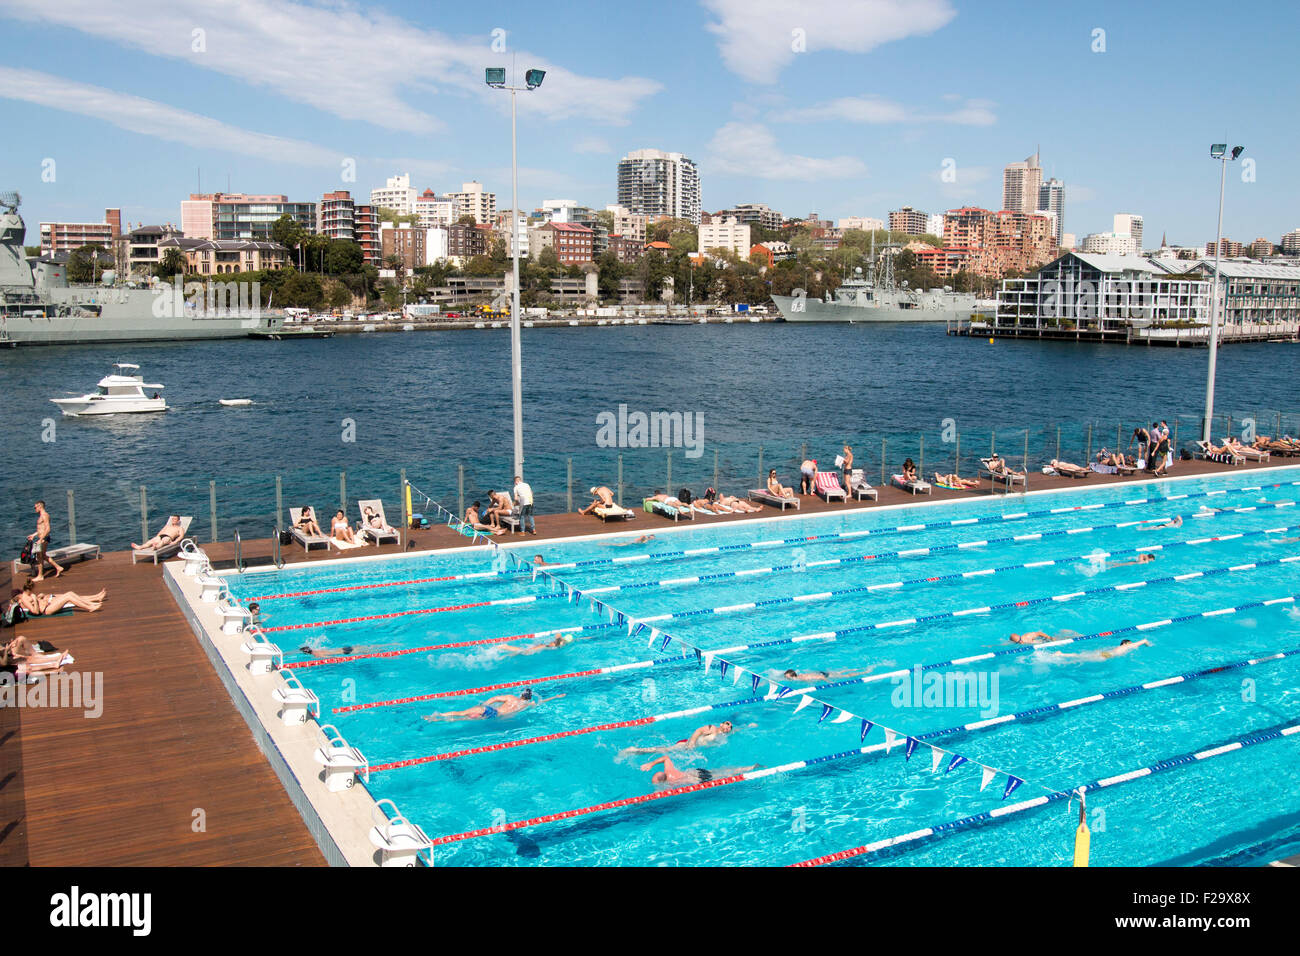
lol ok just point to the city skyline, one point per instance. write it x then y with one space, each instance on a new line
165 87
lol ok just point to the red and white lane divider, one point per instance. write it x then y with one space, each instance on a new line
380 584
499 602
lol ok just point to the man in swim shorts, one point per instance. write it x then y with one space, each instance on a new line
706 736
602 497
671 776
1125 647
502 705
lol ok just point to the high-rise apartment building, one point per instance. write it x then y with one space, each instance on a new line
655 183
397 194
628 224
864 223
908 220
67 236
1127 224
1020 184
725 234
752 214
1051 198
341 218
435 210
240 216
472 200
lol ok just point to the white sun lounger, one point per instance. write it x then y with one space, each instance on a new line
64 555
917 487
308 541
860 488
1229 458
377 535
167 550
767 498
1251 454
1006 475
614 513
827 485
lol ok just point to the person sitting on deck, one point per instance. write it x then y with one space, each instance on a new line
502 705
375 523
472 519
1114 460
670 776
499 505
602 497
170 534
909 472
710 735
776 488
307 522
341 531
43 605
955 481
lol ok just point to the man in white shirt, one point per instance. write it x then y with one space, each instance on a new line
524 499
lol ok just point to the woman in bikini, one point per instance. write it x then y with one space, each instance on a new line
340 530
43 605
775 487
307 522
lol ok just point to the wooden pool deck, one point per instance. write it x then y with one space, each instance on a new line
170 774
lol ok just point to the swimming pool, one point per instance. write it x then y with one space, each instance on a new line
908 595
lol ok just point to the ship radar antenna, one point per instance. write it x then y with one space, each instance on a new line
10 200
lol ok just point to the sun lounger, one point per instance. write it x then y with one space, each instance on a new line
827 485
656 507
377 535
1003 474
308 541
65 555
1250 454
1066 472
613 513
766 497
917 487
167 550
859 488
1227 458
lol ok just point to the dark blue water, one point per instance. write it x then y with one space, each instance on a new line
430 401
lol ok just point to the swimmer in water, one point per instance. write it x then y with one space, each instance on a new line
670 776
710 735
1146 557
346 650
813 676
554 643
502 705
641 539
1041 637
1125 647
1175 522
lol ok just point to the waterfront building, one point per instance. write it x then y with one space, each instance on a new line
240 215
59 237
573 244
907 220
752 214
1290 243
625 248
1227 249
1260 248
215 257
729 235
397 194
994 243
473 200
336 214
1020 184
464 242
1109 244
1253 292
934 224
652 182
142 247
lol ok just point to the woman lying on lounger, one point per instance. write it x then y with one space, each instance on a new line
955 481
307 522
775 487
1069 469
21 658
670 501
43 605
737 504
1115 460
170 534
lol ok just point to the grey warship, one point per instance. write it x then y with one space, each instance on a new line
38 306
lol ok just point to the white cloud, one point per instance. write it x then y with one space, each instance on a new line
757 38
355 64
748 149
877 109
152 118
966 183
592 144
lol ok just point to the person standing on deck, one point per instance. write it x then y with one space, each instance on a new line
847 467
40 540
524 499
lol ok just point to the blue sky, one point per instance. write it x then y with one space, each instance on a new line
133 105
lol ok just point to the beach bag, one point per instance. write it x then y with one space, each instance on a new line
286 537
1141 463
26 556
13 616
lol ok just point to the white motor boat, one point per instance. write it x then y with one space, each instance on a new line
120 393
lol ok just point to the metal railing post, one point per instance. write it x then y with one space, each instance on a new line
239 550
406 518
882 462
279 507
669 489
144 514
568 502
920 471
1024 462
460 489
620 481
343 493
72 518
715 468
1058 442
212 507
762 479
1087 455
956 456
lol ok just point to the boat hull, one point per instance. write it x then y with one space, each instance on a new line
84 408
89 330
816 310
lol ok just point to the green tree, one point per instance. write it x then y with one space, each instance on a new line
172 263
482 266
343 256
467 220
288 232
300 290
87 262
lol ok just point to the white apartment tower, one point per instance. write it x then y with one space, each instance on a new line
473 201
1127 224
396 195
654 183
1020 183
1051 198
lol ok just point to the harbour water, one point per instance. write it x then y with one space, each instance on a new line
428 401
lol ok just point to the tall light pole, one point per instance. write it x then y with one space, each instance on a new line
1218 151
496 78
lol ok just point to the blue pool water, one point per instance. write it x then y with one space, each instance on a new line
1237 808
